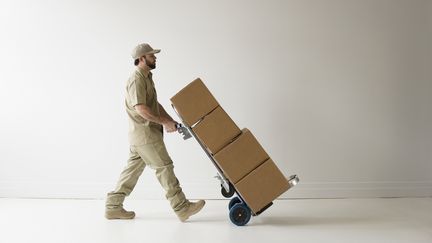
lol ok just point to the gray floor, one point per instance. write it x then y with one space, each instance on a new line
322 220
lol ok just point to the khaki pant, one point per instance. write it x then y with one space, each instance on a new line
156 156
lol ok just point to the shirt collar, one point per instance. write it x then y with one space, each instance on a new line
143 73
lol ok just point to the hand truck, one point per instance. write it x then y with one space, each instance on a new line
239 211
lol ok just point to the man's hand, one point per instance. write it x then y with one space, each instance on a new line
170 126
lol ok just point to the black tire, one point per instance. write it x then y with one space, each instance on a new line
228 194
233 202
240 214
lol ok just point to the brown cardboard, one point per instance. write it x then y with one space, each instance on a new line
193 102
241 156
216 130
262 185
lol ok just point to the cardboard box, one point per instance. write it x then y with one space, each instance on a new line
262 185
193 102
216 130
241 156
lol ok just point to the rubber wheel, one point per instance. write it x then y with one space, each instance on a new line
227 194
233 202
240 214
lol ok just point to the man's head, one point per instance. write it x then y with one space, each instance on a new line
144 55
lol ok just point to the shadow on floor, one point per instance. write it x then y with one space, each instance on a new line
311 221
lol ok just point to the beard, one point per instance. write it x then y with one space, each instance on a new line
151 65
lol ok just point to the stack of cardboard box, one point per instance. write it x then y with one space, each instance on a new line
237 152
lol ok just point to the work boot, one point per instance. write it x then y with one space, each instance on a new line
191 209
114 207
119 213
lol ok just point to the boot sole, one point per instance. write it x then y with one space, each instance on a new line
110 218
118 217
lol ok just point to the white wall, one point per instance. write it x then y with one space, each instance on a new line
336 91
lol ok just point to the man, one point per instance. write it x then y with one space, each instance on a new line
147 118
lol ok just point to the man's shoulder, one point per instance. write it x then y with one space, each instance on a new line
135 76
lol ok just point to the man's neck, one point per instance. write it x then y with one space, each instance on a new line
145 70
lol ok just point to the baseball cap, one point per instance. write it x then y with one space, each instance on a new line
143 49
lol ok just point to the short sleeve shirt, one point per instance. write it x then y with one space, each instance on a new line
140 89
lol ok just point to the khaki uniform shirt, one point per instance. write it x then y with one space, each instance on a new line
140 89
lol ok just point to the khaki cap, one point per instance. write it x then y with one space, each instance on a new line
143 49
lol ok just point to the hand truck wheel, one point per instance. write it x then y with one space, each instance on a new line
228 194
233 202
240 214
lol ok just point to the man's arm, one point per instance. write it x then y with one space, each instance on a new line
164 113
147 114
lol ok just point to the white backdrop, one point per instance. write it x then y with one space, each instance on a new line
336 91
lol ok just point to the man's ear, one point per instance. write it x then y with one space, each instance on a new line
142 59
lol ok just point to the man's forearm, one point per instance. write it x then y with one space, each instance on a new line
147 114
164 113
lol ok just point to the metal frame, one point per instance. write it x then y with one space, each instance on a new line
220 176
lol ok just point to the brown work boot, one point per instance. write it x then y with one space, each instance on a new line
118 213
190 210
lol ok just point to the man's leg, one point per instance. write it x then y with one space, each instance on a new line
156 156
125 185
